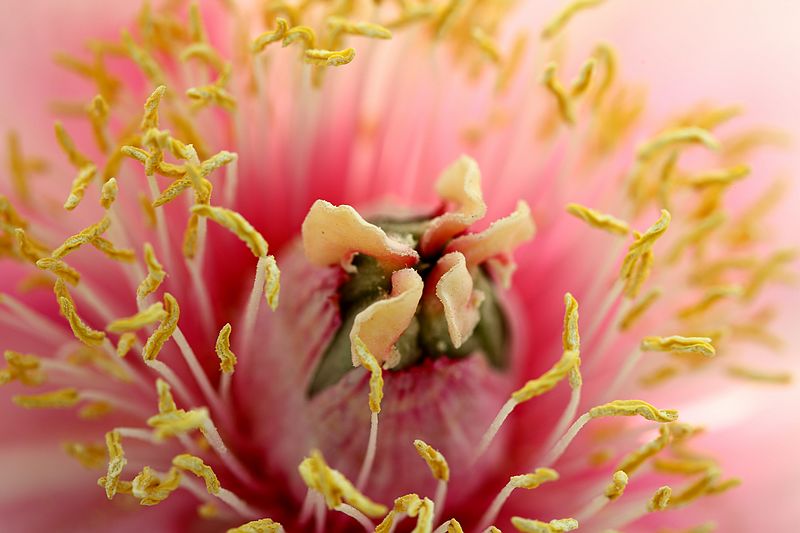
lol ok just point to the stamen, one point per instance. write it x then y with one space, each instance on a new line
722 177
619 481
164 330
265 525
660 500
196 466
261 42
451 526
59 399
614 408
116 462
631 462
109 192
150 489
676 343
535 526
151 315
564 16
487 45
25 368
599 220
82 332
83 237
778 378
365 357
29 249
711 297
581 84
638 309
366 29
334 487
90 455
98 112
638 261
237 224
272 282
524 481
330 58
155 274
227 359
440 470
566 106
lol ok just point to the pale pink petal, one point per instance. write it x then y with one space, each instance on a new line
381 324
460 184
334 234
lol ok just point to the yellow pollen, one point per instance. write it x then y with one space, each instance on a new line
766 271
116 462
599 220
435 460
453 526
697 234
633 408
166 404
98 117
112 252
660 499
236 223
178 422
272 283
677 137
29 249
164 330
617 486
548 380
369 362
534 479
720 177
204 52
151 105
76 158
329 58
213 93
511 63
155 273
639 309
366 29
21 167
227 359
688 466
59 399
109 192
711 297
146 63
265 525
25 368
85 176
487 45
607 58
151 489
526 525
83 237
676 343
261 42
638 261
697 489
90 455
145 317
581 83
84 333
558 22
172 191
94 410
778 378
334 487
196 466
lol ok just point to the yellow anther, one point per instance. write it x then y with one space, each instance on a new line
29 249
581 83
697 234
696 489
436 461
766 271
209 511
660 499
261 42
301 33
108 194
135 153
487 45
146 63
453 526
676 343
711 297
723 486
166 403
676 137
236 223
164 330
172 191
366 29
329 58
85 176
617 486
752 374
196 466
272 283
265 525
334 487
535 526
687 466
631 462
446 16
155 273
599 220
558 22
89 455
227 359
83 332
86 355
369 362
722 177
150 118
25 368
83 237
191 236
563 99
633 408
607 58
534 479
150 489
21 167
150 315
59 399
94 410
76 158
211 94
147 210
116 462
204 52
548 380
117 254
178 422
197 32
638 261
639 308
98 117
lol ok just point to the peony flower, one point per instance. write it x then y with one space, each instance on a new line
337 266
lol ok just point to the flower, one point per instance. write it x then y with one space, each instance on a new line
238 162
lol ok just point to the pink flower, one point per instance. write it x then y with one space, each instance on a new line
231 230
